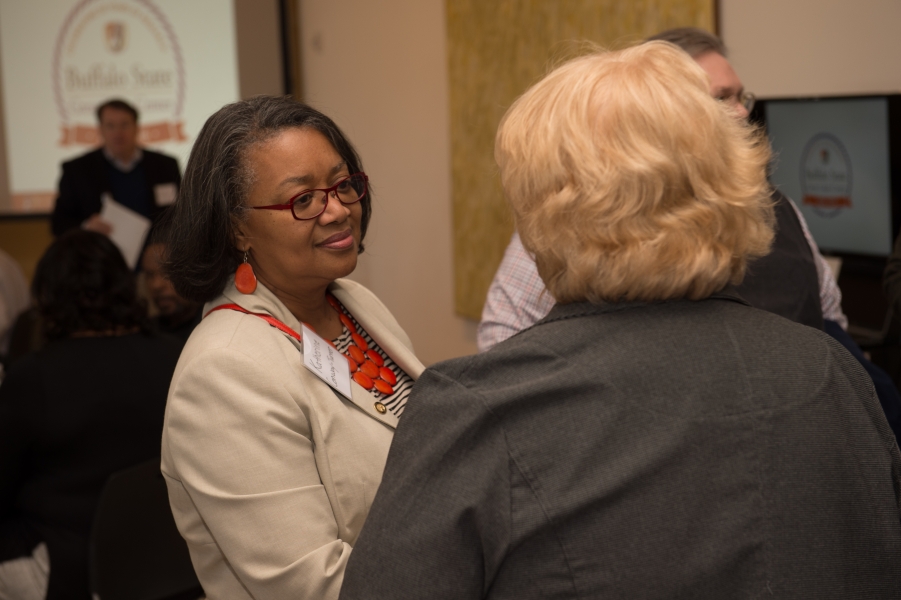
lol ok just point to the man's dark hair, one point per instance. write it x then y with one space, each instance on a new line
199 230
693 40
83 285
117 104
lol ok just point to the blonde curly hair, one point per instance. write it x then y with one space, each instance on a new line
629 182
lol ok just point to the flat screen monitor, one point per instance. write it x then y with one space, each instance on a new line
838 158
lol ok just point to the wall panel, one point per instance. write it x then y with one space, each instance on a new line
496 50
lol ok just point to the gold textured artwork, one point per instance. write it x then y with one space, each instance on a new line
496 50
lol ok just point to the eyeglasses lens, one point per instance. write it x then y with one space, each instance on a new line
312 204
352 189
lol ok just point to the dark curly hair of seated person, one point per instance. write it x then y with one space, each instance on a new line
82 286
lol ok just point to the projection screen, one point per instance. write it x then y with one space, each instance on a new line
175 60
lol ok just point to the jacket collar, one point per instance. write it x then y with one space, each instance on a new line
399 352
581 309
264 301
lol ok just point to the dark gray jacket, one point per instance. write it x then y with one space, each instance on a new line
697 450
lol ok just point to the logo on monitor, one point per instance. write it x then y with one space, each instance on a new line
118 49
826 175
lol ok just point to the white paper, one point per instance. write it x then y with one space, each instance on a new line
326 362
129 229
165 193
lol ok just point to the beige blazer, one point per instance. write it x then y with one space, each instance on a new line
270 472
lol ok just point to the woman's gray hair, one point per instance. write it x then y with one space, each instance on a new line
693 40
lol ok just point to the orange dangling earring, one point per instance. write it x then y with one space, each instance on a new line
245 280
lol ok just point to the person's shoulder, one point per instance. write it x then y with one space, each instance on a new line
218 329
511 362
29 371
27 368
158 157
755 320
230 332
779 348
164 344
92 157
840 359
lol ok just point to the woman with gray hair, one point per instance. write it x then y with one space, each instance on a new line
287 393
654 436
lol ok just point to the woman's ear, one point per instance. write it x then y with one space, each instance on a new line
242 239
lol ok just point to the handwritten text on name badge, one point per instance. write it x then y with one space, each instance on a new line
326 362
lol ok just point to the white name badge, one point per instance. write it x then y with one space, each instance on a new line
325 361
165 193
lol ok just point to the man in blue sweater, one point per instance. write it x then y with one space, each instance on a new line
136 178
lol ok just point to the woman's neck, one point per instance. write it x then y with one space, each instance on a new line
312 308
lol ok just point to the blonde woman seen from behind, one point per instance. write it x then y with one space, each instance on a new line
654 436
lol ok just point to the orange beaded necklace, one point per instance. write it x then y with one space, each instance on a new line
366 365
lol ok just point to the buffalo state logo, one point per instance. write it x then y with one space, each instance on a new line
115 36
826 176
118 49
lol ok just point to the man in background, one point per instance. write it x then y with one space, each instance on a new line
139 179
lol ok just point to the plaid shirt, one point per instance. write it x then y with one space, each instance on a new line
517 298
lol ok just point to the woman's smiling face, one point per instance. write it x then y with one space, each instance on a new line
290 257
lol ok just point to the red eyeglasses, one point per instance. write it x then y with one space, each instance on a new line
309 204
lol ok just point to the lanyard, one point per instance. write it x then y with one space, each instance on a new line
268 318
323 363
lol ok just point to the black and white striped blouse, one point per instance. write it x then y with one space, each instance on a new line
396 401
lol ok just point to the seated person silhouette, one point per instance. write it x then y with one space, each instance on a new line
86 405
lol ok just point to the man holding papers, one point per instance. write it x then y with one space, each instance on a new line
138 179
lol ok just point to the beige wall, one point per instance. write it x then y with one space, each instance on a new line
807 47
258 36
379 69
